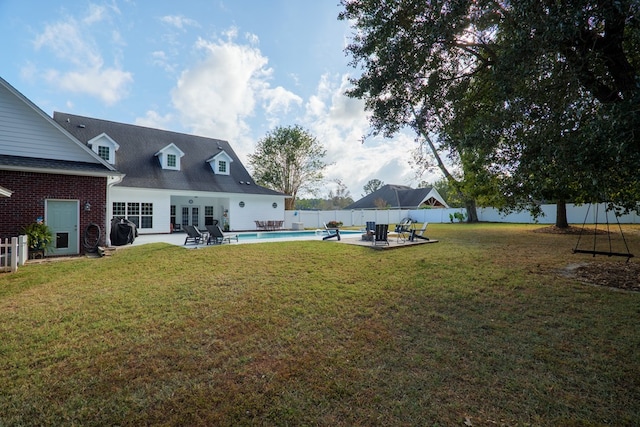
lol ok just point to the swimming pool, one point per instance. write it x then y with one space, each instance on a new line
292 234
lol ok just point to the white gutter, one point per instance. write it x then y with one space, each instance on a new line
111 181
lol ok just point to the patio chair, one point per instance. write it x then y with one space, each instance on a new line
419 234
217 236
381 234
331 232
369 230
403 229
194 235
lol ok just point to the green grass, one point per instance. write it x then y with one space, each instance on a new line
478 327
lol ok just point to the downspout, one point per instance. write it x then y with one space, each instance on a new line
111 181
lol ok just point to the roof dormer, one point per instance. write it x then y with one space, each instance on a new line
221 163
105 147
169 157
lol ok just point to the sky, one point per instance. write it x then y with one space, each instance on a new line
226 69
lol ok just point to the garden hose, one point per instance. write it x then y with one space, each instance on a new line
91 238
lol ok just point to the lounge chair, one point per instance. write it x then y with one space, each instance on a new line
194 235
217 236
381 234
419 234
331 232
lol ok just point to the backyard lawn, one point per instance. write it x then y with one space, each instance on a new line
490 326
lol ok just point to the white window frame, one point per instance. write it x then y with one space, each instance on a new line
170 150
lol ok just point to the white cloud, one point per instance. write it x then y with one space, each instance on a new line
218 95
154 120
229 89
96 14
339 123
179 21
71 43
106 84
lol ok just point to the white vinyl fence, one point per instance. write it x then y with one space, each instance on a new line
357 218
13 253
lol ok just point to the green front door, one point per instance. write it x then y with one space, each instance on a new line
62 219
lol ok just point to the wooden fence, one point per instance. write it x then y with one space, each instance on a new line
13 253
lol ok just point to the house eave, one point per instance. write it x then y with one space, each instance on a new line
54 171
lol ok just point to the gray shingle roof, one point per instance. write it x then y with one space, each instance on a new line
58 166
136 157
396 196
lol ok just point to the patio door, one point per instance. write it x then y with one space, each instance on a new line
191 216
62 219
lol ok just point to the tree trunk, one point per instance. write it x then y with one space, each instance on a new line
472 212
561 214
289 203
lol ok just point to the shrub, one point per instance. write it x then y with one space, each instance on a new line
459 216
39 236
334 224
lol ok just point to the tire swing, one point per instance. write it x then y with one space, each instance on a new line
595 250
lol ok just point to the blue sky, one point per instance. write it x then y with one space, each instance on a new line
228 69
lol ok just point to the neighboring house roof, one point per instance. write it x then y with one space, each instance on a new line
32 141
138 147
401 197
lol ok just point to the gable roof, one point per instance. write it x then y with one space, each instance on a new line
33 141
397 196
136 157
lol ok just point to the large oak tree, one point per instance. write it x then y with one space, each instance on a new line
540 99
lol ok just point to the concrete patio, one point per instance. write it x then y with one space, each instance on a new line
179 238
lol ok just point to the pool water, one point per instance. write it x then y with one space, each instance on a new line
291 234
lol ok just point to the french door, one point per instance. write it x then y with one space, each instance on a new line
191 215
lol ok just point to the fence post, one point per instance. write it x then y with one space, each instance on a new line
14 254
23 249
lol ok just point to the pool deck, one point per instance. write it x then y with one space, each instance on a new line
350 239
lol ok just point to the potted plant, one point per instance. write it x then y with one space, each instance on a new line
39 238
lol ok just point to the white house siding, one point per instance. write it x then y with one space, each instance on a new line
26 131
159 198
256 208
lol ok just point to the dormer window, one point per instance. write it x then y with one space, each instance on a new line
105 147
104 153
220 163
169 157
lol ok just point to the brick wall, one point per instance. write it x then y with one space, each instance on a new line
30 190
